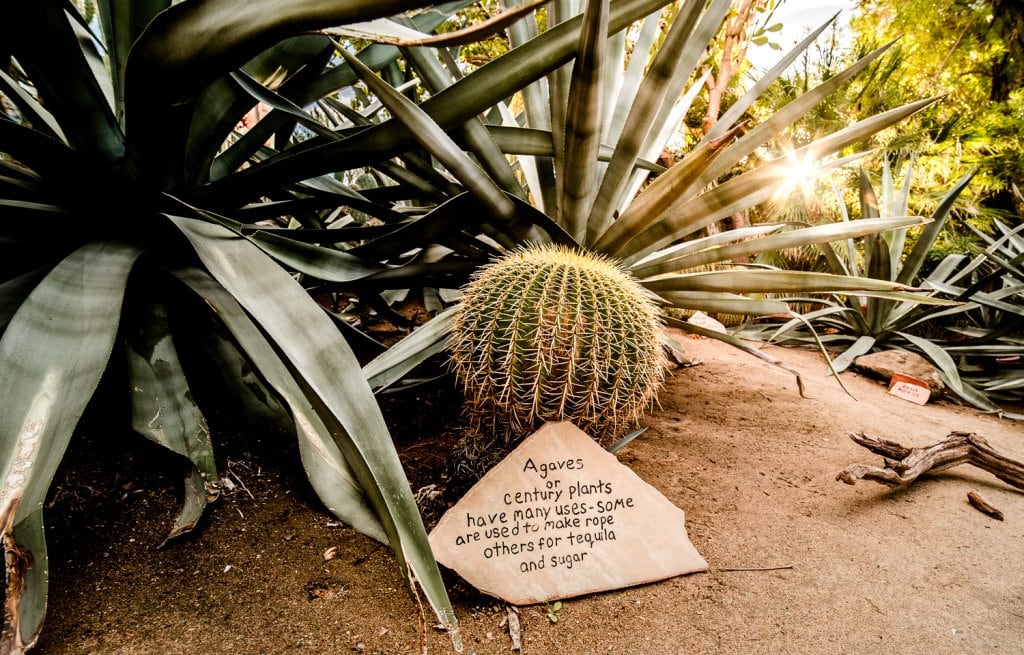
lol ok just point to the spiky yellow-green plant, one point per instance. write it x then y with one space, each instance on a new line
551 333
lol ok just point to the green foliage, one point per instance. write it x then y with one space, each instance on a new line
973 52
551 334
480 52
551 611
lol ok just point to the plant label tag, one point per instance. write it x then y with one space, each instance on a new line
561 517
909 388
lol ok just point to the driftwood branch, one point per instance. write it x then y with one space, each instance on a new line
904 465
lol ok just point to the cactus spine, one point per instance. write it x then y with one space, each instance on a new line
551 333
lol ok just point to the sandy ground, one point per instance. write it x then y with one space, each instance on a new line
752 463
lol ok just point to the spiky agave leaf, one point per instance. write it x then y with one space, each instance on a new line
73 312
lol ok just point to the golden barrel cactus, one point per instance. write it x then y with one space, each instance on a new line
550 333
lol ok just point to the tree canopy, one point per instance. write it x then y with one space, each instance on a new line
973 52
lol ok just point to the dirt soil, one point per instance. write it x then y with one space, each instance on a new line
873 570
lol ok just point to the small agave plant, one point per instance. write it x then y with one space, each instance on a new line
987 343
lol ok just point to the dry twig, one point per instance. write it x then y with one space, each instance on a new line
982 506
514 633
904 465
731 569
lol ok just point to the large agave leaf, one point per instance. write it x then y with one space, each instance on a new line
750 188
191 44
769 281
320 262
444 223
437 142
847 265
289 64
425 341
376 56
436 226
543 178
633 76
966 272
52 355
914 259
1002 274
553 117
878 266
662 194
46 155
773 333
584 120
709 241
861 346
332 381
658 140
786 116
163 409
676 57
30 109
281 104
1008 268
778 241
896 205
737 109
726 303
994 300
328 471
473 132
948 368
400 34
528 141
123 22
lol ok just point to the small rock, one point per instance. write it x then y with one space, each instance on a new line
886 363
700 319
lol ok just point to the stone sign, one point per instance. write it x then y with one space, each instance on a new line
561 517
909 388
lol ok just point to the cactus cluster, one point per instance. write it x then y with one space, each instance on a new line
551 333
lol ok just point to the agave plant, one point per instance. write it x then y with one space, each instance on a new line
113 117
572 166
986 342
857 325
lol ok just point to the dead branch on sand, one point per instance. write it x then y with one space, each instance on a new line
904 465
